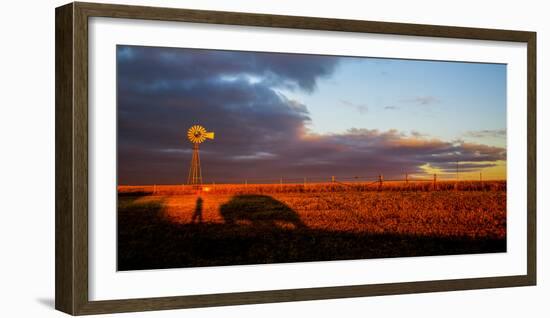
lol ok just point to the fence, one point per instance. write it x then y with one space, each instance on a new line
326 184
378 179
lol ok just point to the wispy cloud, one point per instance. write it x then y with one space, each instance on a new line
174 150
422 100
495 133
417 134
391 107
361 108
260 155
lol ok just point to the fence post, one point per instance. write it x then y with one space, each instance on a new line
435 180
380 181
406 178
305 181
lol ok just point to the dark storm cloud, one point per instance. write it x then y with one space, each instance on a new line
260 133
156 67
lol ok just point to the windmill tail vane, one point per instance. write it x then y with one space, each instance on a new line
197 135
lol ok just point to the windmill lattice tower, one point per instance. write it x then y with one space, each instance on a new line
197 134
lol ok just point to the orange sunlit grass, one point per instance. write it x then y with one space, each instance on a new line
265 223
308 221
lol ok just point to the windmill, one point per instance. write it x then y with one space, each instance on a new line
196 135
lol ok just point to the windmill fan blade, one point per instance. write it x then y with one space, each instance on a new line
209 135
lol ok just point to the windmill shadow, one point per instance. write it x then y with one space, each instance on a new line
260 211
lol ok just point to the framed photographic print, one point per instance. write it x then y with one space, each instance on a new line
211 158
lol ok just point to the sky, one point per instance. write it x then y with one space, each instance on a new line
296 116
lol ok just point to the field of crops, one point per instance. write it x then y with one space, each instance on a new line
178 226
426 185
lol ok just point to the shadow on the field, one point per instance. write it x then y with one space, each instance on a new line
260 211
197 214
258 230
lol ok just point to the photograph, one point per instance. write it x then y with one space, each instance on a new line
245 157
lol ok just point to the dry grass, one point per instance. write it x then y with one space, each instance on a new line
273 223
320 187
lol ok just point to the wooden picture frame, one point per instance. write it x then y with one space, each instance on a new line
71 221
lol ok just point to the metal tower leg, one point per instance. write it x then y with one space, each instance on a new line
195 175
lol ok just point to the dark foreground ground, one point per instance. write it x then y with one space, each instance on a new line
189 231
